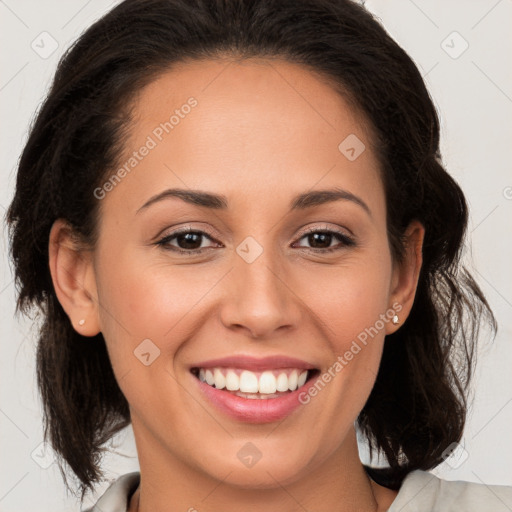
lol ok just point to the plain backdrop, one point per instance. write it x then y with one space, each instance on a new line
463 49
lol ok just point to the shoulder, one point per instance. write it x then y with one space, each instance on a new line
115 498
422 491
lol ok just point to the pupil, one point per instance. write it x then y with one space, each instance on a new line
190 243
190 240
320 237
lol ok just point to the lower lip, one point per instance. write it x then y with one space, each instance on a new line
254 410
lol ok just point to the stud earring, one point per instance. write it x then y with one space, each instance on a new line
395 320
81 322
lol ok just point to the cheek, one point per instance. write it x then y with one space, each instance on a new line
142 308
146 300
351 299
352 304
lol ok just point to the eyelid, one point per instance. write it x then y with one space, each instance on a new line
325 227
213 236
187 229
347 240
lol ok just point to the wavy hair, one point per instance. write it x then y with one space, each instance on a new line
419 401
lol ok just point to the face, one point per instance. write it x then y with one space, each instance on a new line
265 289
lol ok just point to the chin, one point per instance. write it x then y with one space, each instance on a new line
265 472
261 476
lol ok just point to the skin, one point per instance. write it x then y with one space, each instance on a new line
263 131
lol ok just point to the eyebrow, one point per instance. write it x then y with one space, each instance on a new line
220 202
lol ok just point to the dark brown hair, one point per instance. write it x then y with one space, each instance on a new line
418 404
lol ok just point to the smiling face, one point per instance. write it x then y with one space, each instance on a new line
270 269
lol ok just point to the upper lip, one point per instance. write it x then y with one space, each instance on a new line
256 363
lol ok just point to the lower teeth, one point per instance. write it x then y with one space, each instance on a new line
258 396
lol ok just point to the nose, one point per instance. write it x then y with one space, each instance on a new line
259 297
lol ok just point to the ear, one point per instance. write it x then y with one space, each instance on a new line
406 274
72 272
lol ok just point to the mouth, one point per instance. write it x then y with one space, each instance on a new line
255 385
254 391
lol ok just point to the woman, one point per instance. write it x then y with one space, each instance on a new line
234 217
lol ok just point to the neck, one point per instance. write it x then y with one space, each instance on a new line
339 483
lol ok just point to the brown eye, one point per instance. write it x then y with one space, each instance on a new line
321 240
186 241
189 240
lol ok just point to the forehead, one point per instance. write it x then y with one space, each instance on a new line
247 125
238 91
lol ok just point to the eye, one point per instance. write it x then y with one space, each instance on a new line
185 241
191 241
320 240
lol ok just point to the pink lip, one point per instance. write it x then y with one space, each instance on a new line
254 410
256 364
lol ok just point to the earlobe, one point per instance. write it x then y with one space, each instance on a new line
406 275
73 278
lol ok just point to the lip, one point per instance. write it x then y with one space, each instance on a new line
254 410
255 363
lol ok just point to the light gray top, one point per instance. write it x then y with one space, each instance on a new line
420 492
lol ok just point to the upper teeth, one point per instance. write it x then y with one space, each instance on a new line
267 382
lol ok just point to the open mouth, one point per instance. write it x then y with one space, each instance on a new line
267 384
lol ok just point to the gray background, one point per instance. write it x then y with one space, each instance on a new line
472 88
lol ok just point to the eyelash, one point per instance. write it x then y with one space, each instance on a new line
345 240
